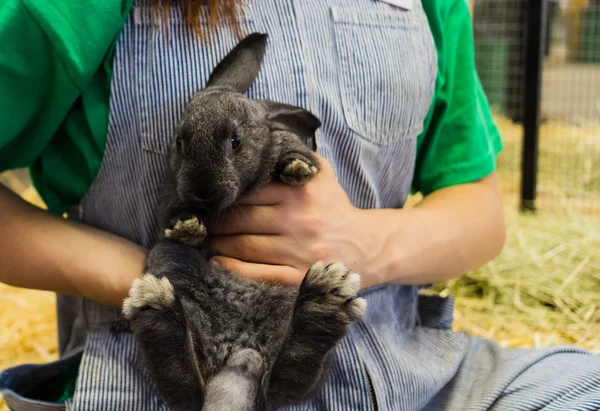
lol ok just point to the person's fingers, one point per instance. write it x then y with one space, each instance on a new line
264 249
324 164
274 274
272 194
248 220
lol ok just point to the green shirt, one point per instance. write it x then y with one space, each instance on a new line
55 73
460 140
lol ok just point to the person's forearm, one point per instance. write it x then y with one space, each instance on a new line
41 251
449 233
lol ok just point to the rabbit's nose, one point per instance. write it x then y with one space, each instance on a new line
206 193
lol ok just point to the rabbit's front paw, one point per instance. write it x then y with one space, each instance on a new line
331 291
190 231
296 169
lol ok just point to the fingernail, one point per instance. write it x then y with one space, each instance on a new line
215 263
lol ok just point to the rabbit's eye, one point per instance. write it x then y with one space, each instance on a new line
235 142
179 144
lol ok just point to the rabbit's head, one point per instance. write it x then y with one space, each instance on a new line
225 143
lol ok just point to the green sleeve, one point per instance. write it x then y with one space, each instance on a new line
31 106
55 77
460 140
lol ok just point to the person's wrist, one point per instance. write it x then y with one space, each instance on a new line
117 283
124 286
372 228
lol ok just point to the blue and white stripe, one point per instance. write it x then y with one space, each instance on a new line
368 71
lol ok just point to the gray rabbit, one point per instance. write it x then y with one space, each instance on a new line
213 340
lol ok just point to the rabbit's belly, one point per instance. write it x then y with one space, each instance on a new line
232 315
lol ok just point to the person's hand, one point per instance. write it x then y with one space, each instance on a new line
279 232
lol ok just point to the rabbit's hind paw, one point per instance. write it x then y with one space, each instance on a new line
149 291
333 292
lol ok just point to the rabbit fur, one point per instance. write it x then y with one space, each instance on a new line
211 339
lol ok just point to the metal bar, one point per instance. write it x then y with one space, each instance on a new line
534 51
514 20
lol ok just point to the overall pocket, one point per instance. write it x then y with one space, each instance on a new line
387 71
435 312
40 387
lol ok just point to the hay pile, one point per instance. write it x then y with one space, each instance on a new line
544 288
28 323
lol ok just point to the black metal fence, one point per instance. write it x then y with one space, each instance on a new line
539 62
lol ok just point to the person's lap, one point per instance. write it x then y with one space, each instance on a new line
487 377
566 381
498 379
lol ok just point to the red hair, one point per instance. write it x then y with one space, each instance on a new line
218 10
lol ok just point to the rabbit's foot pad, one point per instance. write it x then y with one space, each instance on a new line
190 231
149 291
297 172
339 287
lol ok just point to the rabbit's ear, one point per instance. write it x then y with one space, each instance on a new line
293 118
240 66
